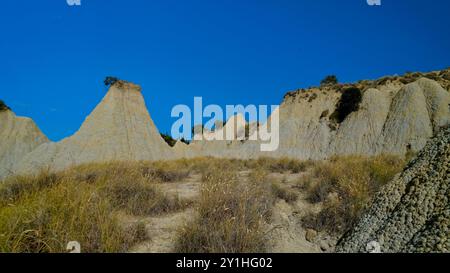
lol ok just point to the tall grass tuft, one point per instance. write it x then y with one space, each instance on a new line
230 216
345 186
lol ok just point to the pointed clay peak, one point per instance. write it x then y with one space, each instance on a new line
18 137
180 145
238 120
4 107
127 86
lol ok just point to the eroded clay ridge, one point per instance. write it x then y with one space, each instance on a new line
412 213
393 115
18 137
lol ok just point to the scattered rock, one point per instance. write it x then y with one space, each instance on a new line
324 246
332 197
311 235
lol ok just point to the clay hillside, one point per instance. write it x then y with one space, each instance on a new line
393 115
18 137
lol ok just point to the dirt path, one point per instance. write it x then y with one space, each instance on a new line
162 232
287 234
186 189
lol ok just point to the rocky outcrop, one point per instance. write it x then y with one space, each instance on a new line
392 118
18 137
411 213
119 129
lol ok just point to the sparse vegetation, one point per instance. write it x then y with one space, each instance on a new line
329 80
134 194
280 165
184 141
313 97
43 213
230 216
109 81
171 141
324 114
349 103
165 171
168 139
3 106
345 185
46 220
284 193
87 203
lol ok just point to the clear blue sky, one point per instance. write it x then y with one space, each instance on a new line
53 57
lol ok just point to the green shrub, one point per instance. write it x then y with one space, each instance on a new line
168 139
42 213
46 220
184 141
230 217
348 103
345 185
109 81
281 164
288 195
138 196
3 106
329 80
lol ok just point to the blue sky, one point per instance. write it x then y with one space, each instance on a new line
53 57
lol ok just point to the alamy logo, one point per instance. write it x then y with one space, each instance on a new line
74 2
235 129
73 247
374 2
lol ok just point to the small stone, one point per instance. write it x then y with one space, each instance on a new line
324 246
310 235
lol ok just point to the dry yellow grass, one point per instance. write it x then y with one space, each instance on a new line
230 217
345 185
43 213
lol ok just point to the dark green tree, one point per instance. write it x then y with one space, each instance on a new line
168 139
329 80
3 106
110 81
349 103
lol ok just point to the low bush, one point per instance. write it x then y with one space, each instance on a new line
279 164
329 80
46 220
281 192
3 106
230 217
345 186
168 139
42 213
348 103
